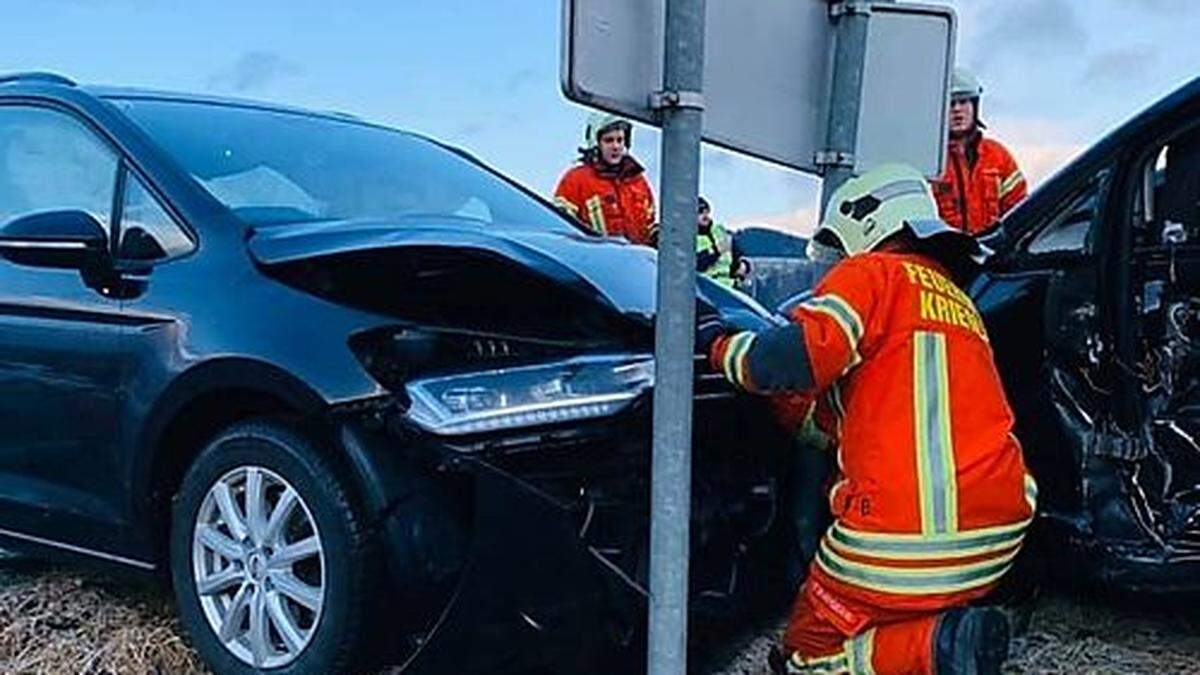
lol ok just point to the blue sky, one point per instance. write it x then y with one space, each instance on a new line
483 74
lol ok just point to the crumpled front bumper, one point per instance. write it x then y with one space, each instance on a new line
556 530
530 592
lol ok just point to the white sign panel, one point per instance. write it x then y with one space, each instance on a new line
903 112
767 74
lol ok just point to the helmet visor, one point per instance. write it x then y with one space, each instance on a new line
824 252
935 229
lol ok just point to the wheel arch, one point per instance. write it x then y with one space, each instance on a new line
197 405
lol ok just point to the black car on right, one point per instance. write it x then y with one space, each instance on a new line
1092 302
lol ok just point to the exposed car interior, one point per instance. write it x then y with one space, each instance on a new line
1165 368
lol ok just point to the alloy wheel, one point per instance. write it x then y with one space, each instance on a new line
259 567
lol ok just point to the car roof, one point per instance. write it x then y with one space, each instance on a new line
46 82
114 92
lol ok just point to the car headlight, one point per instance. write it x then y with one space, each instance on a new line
509 398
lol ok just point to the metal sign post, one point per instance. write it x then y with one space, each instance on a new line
681 105
837 160
831 87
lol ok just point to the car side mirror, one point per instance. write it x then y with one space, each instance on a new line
68 239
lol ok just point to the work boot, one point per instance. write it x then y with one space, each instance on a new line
972 641
777 660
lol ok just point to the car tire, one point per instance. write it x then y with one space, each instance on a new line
333 629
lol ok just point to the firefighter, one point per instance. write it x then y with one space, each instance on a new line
932 498
608 191
981 182
714 246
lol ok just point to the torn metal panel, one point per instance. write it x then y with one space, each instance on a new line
1141 487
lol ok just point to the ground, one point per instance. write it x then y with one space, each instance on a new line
57 621
1070 632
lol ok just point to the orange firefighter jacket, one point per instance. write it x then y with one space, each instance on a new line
933 498
612 202
981 183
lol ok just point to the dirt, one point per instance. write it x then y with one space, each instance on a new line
55 621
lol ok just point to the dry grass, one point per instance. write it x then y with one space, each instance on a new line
1069 633
55 622
1081 633
58 622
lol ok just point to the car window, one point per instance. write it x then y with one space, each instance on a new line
1167 209
147 230
1072 227
273 167
49 161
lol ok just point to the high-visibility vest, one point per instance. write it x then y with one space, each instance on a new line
714 254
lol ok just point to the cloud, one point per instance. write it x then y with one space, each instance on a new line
520 79
802 190
1120 66
1032 29
802 221
1041 146
471 130
716 160
254 70
1156 5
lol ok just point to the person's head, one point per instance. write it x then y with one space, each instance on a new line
890 208
608 137
965 92
703 214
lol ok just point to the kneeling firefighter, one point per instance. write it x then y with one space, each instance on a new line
932 499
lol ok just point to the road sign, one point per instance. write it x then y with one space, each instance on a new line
768 71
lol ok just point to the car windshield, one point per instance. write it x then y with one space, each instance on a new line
272 167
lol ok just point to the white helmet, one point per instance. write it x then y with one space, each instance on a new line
965 85
600 123
868 209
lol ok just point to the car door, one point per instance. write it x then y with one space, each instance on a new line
1044 303
1159 337
60 363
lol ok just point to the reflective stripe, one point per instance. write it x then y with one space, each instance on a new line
900 188
835 393
833 397
859 652
825 665
734 363
936 471
739 362
844 316
1031 492
914 581
596 215
968 544
566 205
1009 184
841 311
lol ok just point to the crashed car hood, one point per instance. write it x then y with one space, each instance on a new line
622 274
